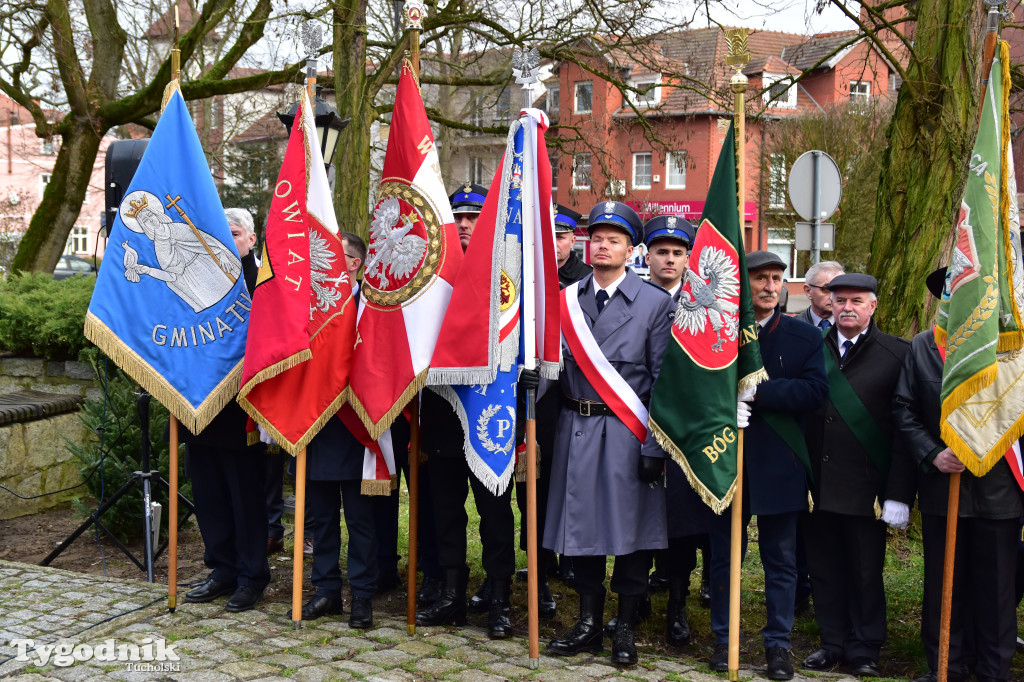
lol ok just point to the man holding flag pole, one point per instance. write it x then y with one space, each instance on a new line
714 346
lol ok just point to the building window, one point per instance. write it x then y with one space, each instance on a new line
214 114
642 170
553 94
676 173
476 170
895 82
44 180
648 92
581 171
49 149
779 91
777 182
584 97
78 242
860 93
504 106
476 115
554 172
780 242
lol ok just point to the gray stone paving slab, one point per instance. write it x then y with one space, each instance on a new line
437 666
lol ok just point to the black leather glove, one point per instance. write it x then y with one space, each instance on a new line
651 468
528 379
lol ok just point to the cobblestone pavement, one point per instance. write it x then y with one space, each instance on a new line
51 606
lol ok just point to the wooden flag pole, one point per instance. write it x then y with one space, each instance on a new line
532 564
414 500
952 514
737 58
953 506
300 530
172 519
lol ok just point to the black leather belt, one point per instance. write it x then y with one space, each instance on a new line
588 408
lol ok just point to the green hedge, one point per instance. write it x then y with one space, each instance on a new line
44 318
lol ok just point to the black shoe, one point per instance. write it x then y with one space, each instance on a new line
362 614
677 627
585 634
429 592
480 602
864 667
720 659
548 607
450 607
244 598
499 625
779 667
822 660
522 575
388 581
657 582
623 641
320 606
643 613
208 590
196 583
930 677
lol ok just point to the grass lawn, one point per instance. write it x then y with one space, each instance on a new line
902 656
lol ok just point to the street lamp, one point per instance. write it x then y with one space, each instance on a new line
328 126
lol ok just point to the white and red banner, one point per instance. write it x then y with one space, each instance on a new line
414 256
298 351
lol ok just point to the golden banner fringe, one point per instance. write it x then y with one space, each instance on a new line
375 487
810 503
752 380
289 447
274 370
424 457
377 429
1014 339
878 509
169 89
252 437
979 466
194 419
717 505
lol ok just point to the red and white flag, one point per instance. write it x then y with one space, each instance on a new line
299 348
413 257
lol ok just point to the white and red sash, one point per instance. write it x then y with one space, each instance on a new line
608 383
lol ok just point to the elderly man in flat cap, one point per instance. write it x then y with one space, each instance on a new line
852 440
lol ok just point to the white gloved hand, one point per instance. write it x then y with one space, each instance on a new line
265 437
748 395
896 514
742 414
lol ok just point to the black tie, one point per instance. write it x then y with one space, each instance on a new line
602 298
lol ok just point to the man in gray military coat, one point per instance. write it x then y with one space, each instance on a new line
605 498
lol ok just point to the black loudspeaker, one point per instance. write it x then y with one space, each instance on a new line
123 158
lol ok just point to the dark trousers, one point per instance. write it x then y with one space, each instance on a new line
984 615
385 520
323 499
681 557
777 546
629 575
803 575
274 493
450 481
845 555
228 492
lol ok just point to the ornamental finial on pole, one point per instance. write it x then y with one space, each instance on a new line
738 57
415 11
312 38
525 67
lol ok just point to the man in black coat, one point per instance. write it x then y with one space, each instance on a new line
228 479
570 268
983 619
844 537
775 465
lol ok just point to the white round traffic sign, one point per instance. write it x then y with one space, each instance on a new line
801 185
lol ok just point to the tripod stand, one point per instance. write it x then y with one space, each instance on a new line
146 477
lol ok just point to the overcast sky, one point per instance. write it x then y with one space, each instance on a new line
791 16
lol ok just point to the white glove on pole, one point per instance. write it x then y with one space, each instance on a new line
742 414
896 514
265 437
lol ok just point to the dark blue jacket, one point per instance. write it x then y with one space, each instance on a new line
791 351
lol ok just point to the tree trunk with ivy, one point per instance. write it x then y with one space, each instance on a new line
925 166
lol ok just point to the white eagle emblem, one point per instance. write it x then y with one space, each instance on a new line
321 262
395 251
715 280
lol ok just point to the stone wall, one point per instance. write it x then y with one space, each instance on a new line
34 458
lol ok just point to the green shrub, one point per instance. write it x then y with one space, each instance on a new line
118 422
43 317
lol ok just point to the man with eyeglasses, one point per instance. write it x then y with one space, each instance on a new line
819 312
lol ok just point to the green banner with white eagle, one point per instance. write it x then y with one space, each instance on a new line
713 349
979 319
